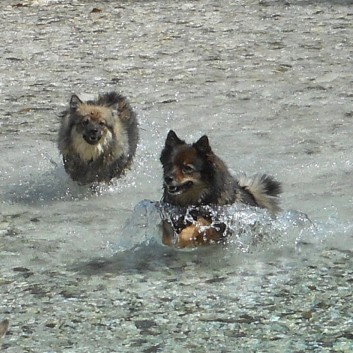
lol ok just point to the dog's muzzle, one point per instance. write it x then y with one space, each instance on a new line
92 136
175 188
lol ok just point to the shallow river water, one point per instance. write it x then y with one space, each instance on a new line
270 82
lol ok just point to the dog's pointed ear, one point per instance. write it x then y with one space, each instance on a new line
172 139
203 145
75 102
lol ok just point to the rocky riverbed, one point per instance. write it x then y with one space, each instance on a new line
270 83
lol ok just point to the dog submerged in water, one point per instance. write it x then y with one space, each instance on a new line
195 177
98 139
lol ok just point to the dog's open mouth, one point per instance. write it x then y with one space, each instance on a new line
179 188
91 139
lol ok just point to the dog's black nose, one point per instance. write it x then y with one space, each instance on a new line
168 179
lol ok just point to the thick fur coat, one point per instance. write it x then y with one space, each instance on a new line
98 139
195 176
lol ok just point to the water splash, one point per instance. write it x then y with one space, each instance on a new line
250 229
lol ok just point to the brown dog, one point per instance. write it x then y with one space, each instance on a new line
98 139
195 177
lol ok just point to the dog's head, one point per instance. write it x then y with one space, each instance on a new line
186 168
90 121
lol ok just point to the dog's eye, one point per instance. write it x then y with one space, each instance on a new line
85 122
188 168
102 123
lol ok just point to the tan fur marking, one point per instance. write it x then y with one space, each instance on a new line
201 232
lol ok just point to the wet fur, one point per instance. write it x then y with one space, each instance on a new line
98 139
195 176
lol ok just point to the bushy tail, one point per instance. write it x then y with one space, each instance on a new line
264 189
